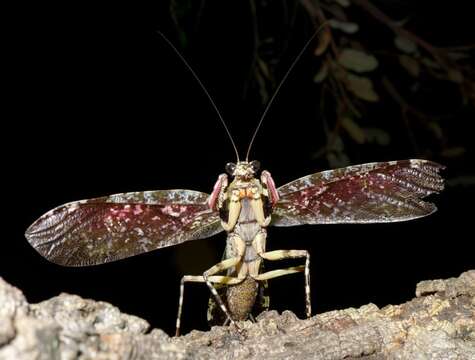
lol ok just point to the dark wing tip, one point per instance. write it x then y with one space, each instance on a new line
424 174
43 237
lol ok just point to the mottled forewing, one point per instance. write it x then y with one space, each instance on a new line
114 227
367 193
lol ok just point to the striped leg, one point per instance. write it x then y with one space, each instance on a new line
225 280
290 254
222 266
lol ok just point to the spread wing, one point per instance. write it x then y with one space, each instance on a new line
114 227
367 193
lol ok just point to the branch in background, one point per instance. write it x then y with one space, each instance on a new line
354 69
386 20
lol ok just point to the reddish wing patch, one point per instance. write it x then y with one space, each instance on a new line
220 184
110 228
368 193
273 193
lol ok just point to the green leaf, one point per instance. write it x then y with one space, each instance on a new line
344 3
264 68
458 56
455 75
378 136
362 87
410 64
430 63
402 22
358 61
453 152
354 130
436 129
337 160
180 10
345 26
337 144
404 44
463 180
323 41
322 73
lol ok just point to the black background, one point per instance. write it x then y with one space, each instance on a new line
100 104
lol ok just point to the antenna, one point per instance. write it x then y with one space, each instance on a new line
279 86
204 89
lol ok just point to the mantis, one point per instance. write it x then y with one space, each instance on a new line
243 203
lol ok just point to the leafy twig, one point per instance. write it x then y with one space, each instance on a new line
386 20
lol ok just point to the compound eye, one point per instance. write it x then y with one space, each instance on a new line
256 165
230 167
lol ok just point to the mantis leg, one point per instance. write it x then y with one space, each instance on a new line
279 272
222 266
289 254
216 279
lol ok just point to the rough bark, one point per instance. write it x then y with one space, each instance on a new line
439 323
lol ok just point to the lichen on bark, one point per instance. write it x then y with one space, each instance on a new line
439 323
